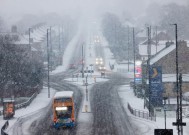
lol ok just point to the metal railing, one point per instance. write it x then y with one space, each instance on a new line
25 104
1 112
5 126
141 114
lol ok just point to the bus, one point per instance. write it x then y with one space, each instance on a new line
63 110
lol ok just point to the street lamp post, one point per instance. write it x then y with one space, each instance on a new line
48 62
148 67
128 48
29 35
82 63
178 122
177 111
134 59
86 84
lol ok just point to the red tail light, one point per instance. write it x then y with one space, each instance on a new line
73 119
55 119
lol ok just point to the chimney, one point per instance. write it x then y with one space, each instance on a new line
167 44
14 29
182 43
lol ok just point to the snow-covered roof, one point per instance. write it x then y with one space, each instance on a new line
172 78
145 42
33 49
8 100
39 34
23 40
142 33
162 53
143 49
63 94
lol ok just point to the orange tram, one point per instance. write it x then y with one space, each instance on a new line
63 110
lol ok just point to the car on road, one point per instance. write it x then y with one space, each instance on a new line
72 66
101 68
99 61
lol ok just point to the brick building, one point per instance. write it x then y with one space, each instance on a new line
166 58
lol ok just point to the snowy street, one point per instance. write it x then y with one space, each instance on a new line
110 76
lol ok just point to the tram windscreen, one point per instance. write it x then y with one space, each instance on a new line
63 100
64 112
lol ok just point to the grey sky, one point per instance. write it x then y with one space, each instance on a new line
17 8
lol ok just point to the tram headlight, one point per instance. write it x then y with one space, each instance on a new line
64 108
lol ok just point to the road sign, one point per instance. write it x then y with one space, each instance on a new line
163 131
179 123
156 87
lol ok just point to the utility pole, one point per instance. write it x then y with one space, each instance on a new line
134 51
48 62
29 35
178 122
82 63
148 66
128 48
51 50
59 39
156 39
177 111
62 37
180 82
62 45
177 78
86 88
59 47
30 41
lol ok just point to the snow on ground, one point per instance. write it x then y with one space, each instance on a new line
143 127
127 96
39 102
67 55
42 99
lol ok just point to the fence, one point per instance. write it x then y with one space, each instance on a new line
24 104
141 114
18 106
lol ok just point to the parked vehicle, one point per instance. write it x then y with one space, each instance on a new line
8 108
